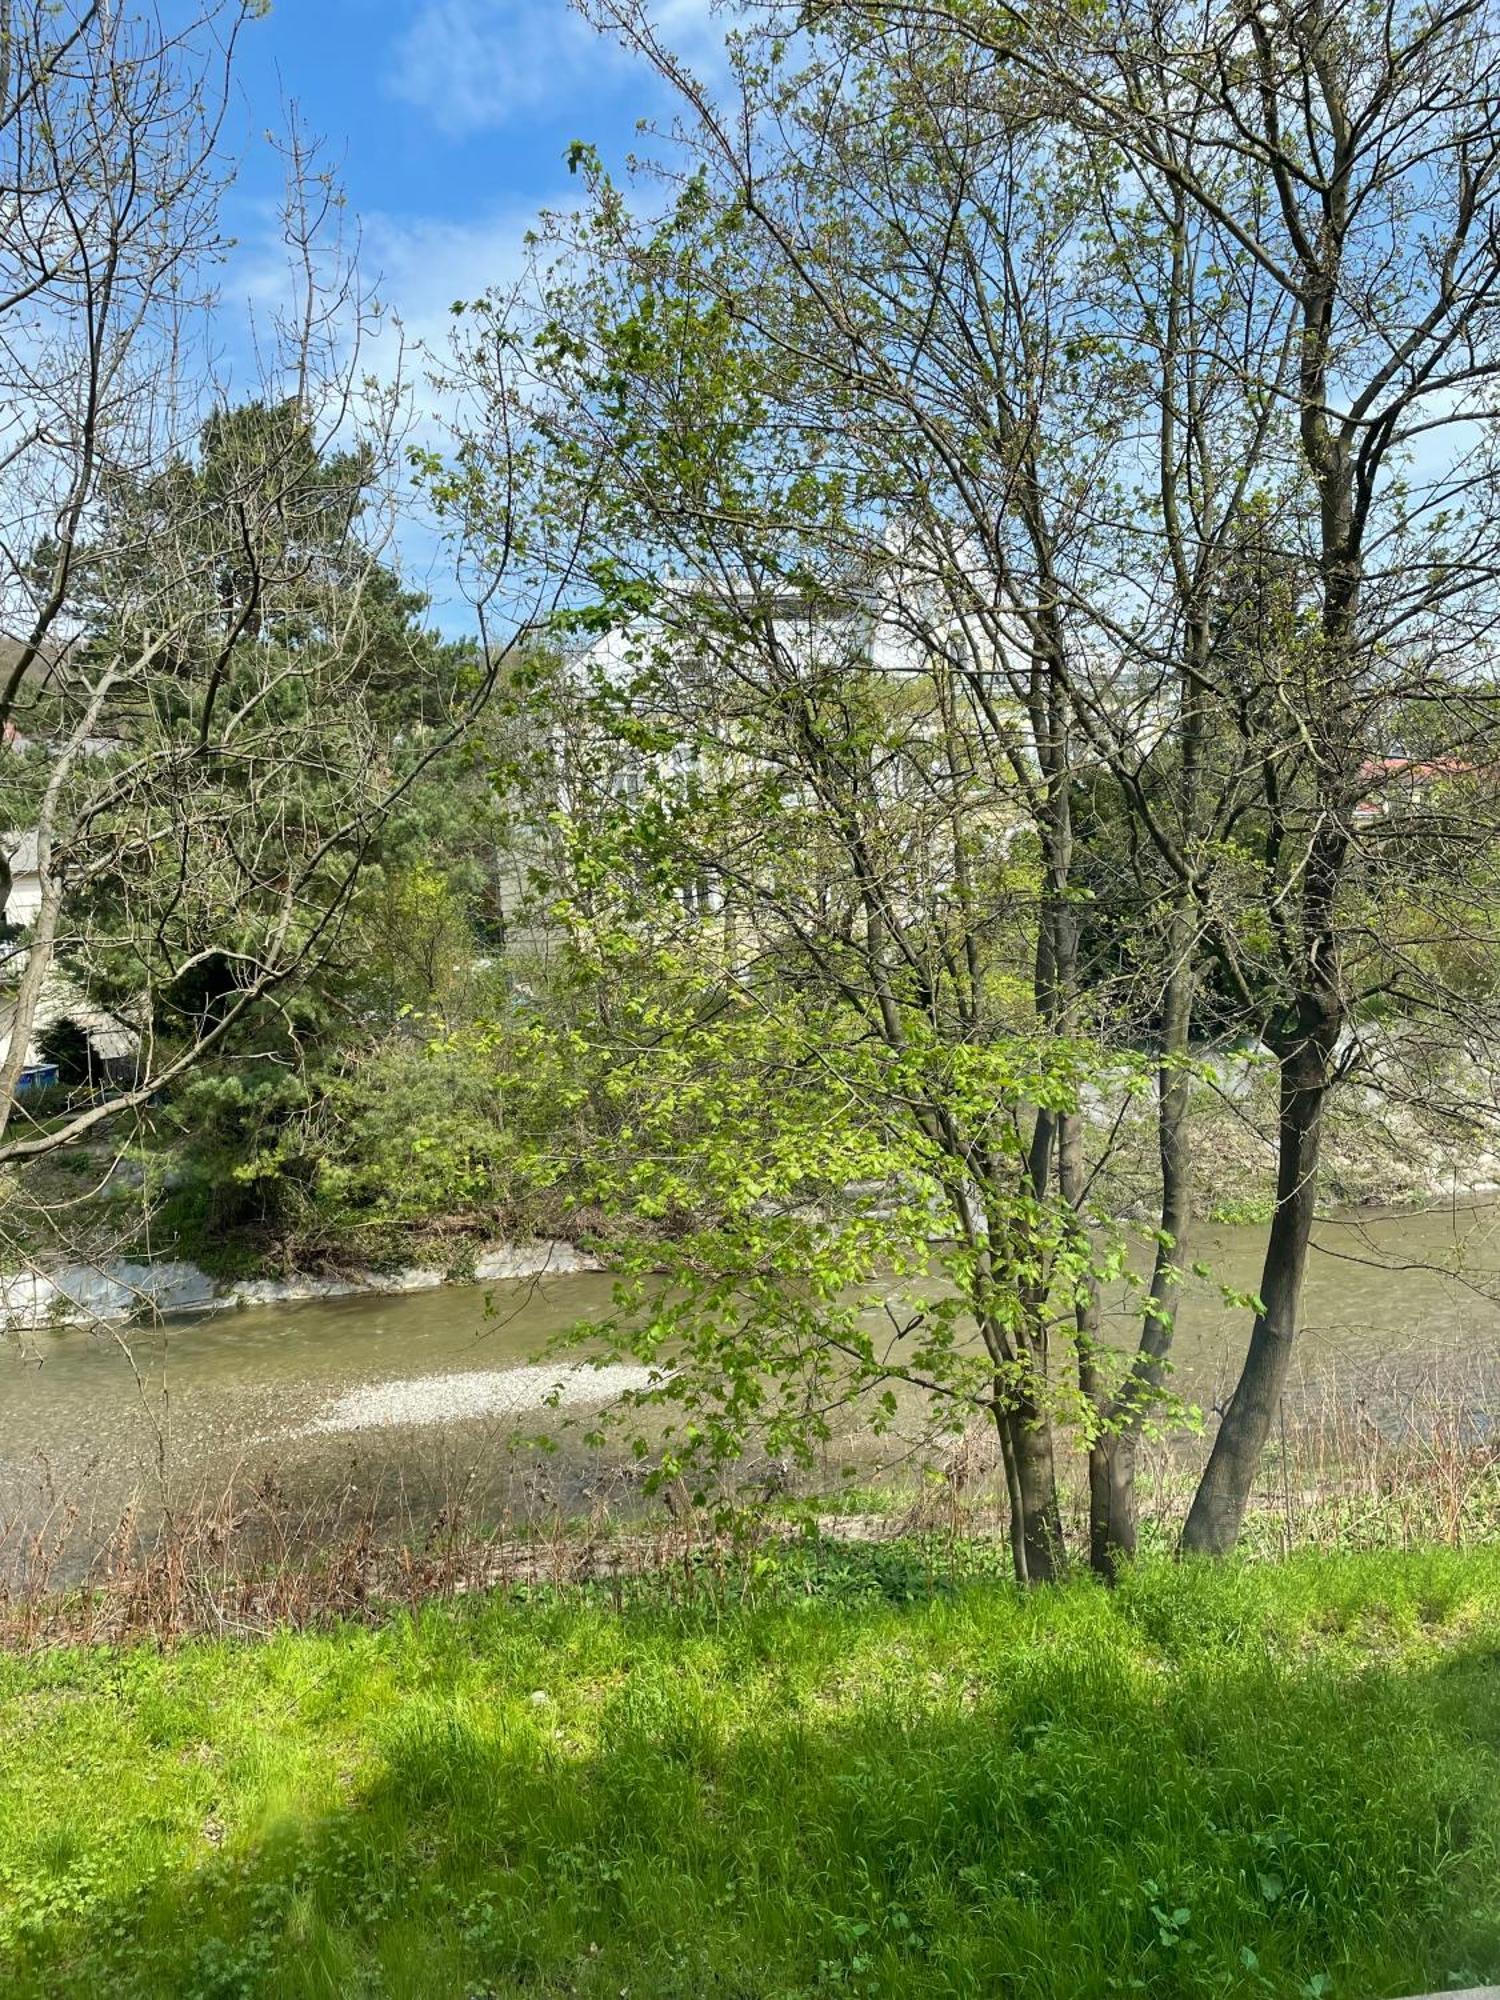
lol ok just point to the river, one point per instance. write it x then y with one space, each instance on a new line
430 1396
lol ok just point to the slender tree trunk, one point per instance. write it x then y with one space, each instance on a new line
1113 1527
1017 1525
1316 1014
1112 1502
1057 1137
1022 1417
1218 1508
1023 1424
1031 1476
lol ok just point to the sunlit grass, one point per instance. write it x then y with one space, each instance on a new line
845 1776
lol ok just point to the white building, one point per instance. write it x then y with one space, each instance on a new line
25 880
98 1044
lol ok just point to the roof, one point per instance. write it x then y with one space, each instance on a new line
1420 770
20 850
111 1037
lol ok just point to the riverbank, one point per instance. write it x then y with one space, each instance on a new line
837 1771
254 1560
281 1462
119 1291
87 1246
1411 1139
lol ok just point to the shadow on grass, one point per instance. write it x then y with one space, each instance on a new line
963 1795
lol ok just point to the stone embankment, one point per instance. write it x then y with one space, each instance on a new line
116 1292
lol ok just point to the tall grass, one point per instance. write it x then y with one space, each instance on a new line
1397 1464
840 1772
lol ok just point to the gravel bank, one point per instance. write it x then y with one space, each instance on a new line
476 1392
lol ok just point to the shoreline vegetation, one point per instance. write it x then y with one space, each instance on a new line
251 1556
1376 1162
811 1768
122 1253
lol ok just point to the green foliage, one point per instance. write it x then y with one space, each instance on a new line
412 1132
788 1237
339 1145
344 692
845 1772
263 809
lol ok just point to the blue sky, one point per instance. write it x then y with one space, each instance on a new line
448 122
450 118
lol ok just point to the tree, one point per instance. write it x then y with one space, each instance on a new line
878 371
1372 143
1101 357
872 718
219 691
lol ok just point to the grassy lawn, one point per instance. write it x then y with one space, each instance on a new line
1259 1780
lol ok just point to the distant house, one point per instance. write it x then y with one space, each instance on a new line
74 1040
25 897
1403 784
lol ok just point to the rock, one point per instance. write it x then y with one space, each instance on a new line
117 1291
532 1260
167 1288
28 1300
289 1291
109 1293
413 1280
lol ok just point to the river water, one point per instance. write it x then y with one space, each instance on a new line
432 1397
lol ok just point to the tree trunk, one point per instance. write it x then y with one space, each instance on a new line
1112 1502
1213 1522
1031 1475
1024 1418
1112 1456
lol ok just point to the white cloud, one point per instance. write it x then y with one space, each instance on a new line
416 266
422 264
471 64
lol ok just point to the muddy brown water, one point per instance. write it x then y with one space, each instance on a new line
433 1396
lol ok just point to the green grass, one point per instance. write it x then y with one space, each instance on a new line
860 1780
